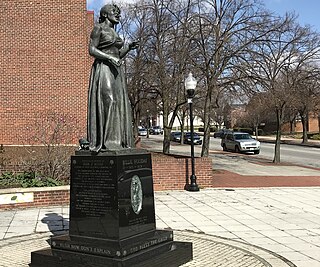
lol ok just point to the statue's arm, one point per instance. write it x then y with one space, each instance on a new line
127 48
93 47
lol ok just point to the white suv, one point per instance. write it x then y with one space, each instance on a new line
240 142
156 130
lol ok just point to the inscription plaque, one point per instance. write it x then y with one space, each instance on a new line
93 188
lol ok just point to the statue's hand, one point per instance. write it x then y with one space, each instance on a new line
134 45
116 62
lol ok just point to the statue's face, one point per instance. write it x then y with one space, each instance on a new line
113 15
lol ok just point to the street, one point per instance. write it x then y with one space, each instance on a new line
292 154
305 156
295 154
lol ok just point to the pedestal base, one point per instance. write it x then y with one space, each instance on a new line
112 217
110 248
169 254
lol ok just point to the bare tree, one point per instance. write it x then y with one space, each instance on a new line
165 57
229 44
306 91
221 30
135 26
182 115
273 61
55 132
257 112
291 115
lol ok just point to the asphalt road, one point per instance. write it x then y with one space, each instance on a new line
301 155
295 154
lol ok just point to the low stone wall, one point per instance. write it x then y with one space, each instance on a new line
33 197
170 172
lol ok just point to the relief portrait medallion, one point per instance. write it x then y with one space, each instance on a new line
136 194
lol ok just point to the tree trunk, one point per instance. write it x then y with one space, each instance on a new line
136 121
166 140
319 123
166 133
206 132
182 125
167 125
304 121
276 158
257 131
292 126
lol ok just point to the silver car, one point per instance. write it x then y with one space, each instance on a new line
240 142
142 132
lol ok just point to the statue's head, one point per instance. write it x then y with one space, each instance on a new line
110 12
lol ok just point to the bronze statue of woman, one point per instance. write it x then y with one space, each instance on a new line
109 111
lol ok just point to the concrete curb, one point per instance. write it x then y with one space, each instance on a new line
292 142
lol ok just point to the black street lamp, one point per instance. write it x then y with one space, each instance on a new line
190 85
148 123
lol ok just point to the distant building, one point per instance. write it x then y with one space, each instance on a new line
313 124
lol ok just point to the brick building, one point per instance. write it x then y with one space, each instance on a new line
44 61
297 127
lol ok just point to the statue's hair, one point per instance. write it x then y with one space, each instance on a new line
105 10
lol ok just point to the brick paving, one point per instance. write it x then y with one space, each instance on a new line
224 178
215 251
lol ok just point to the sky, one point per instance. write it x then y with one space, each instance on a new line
97 4
308 10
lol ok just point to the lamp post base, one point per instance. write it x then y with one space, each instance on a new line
193 187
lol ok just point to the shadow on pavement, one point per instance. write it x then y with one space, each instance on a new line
56 223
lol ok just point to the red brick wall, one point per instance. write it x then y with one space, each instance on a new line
42 199
313 125
44 61
171 173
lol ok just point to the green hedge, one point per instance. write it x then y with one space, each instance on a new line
315 137
27 179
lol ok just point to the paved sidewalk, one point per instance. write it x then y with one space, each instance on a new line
229 227
245 171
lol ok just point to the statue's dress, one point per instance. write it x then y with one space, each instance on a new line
109 111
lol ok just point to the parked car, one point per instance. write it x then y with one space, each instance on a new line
240 142
155 130
196 138
221 133
175 136
142 132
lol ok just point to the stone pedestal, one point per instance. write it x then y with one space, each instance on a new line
112 218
